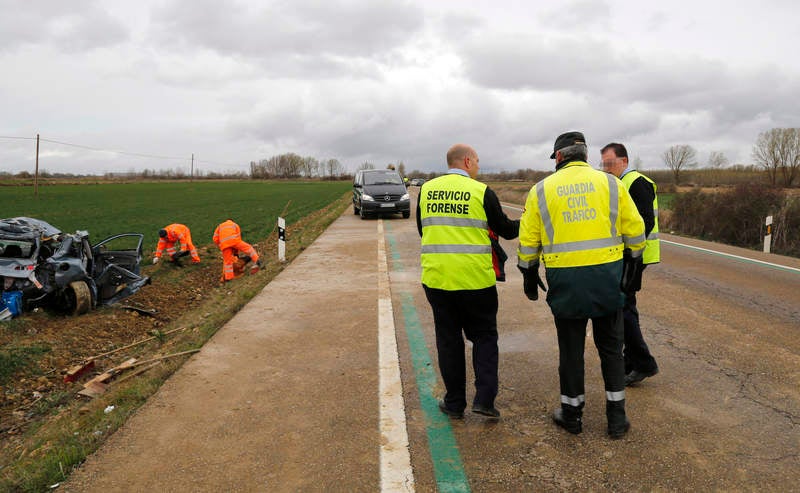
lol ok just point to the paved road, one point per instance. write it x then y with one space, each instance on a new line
286 396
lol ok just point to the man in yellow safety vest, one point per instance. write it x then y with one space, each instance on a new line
639 363
584 227
454 215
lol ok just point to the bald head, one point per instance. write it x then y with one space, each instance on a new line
464 157
457 153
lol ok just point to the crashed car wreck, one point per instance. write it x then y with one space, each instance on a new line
65 271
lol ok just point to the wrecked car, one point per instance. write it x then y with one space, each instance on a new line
65 271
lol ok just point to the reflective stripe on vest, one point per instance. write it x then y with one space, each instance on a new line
652 249
456 253
609 246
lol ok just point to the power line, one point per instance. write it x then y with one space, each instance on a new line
126 153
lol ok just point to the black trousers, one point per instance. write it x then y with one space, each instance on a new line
475 313
636 353
608 335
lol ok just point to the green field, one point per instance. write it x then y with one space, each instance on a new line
107 209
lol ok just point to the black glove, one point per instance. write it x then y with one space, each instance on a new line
531 282
631 273
182 254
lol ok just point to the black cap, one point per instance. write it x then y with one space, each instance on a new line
566 140
162 233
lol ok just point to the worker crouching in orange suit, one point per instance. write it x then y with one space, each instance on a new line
167 239
228 237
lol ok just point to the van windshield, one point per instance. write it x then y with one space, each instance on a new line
382 179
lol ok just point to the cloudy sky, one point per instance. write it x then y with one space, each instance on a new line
387 81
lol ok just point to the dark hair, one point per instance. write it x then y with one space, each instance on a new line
618 149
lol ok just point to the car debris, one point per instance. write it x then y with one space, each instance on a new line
87 364
47 267
99 384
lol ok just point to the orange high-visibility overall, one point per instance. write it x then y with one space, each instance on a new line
228 237
177 233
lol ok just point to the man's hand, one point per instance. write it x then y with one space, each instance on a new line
531 282
631 273
155 260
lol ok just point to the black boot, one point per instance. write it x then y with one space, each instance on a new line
618 424
569 418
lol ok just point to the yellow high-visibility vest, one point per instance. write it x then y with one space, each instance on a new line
456 251
652 250
577 217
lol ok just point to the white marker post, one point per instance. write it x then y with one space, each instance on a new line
281 239
768 236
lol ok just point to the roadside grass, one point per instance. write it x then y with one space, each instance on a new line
15 359
73 429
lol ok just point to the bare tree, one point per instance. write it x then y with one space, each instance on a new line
637 163
333 166
779 150
401 168
366 165
679 157
310 166
717 160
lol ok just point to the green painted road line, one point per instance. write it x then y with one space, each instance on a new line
447 465
397 264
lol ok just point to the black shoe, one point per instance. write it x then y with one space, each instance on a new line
619 431
637 376
491 412
453 414
573 426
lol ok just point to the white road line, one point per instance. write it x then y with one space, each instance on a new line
770 264
396 472
511 207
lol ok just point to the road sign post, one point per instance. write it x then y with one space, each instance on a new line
281 239
768 236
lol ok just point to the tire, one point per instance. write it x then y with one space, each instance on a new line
79 298
406 214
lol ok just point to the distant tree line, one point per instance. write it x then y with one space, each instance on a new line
291 165
776 151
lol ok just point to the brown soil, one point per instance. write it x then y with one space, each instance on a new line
174 291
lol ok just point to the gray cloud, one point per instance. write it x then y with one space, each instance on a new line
293 38
67 26
382 81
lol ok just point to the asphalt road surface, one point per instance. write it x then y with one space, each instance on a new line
295 393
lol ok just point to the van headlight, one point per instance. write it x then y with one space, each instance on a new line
404 197
367 198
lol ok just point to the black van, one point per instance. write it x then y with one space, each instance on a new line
380 191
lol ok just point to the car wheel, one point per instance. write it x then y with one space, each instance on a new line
79 298
406 214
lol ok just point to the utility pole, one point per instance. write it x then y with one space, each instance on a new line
36 172
191 173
